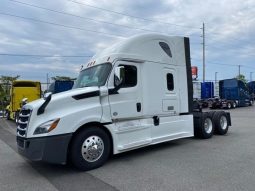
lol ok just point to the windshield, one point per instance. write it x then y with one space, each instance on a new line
93 76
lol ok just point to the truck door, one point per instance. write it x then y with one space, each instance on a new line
126 109
127 103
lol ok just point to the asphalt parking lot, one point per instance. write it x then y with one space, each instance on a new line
221 163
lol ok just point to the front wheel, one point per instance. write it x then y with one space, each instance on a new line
90 148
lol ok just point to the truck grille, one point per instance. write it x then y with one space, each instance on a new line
23 122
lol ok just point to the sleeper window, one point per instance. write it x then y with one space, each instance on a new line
170 82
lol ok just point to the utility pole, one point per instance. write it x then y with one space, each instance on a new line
239 70
216 77
203 36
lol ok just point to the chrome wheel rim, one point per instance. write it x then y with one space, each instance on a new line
223 122
208 125
92 148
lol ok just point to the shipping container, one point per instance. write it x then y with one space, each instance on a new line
60 86
207 90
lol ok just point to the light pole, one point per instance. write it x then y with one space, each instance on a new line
216 77
203 29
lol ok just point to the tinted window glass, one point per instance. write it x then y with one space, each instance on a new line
130 76
166 48
170 82
24 84
93 76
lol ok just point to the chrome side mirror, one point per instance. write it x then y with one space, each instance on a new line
24 101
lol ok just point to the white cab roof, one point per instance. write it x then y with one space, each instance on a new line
145 47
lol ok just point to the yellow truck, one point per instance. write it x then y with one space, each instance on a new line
22 91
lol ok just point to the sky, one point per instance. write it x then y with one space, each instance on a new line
54 38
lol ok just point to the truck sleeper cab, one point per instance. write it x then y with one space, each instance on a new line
235 91
133 94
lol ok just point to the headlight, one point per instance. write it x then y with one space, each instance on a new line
47 126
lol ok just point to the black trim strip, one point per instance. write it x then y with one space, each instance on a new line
185 113
44 105
107 123
49 136
189 75
112 91
86 95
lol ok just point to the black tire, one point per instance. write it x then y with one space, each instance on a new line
16 117
204 129
220 123
78 147
211 114
8 117
234 105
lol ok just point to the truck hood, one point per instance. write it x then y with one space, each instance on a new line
70 107
59 97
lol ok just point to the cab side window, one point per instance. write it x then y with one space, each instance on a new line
130 76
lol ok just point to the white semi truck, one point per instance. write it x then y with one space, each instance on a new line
133 94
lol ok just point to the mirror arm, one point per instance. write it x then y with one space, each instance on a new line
116 89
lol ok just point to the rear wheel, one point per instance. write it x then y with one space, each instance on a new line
228 105
221 123
234 105
205 128
211 114
90 148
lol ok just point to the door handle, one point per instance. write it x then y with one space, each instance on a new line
138 107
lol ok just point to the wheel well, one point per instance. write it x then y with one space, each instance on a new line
81 128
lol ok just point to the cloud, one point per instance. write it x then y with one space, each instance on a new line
229 31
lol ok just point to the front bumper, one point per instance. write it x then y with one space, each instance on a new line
52 149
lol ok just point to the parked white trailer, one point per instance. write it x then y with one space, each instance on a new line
196 90
133 94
